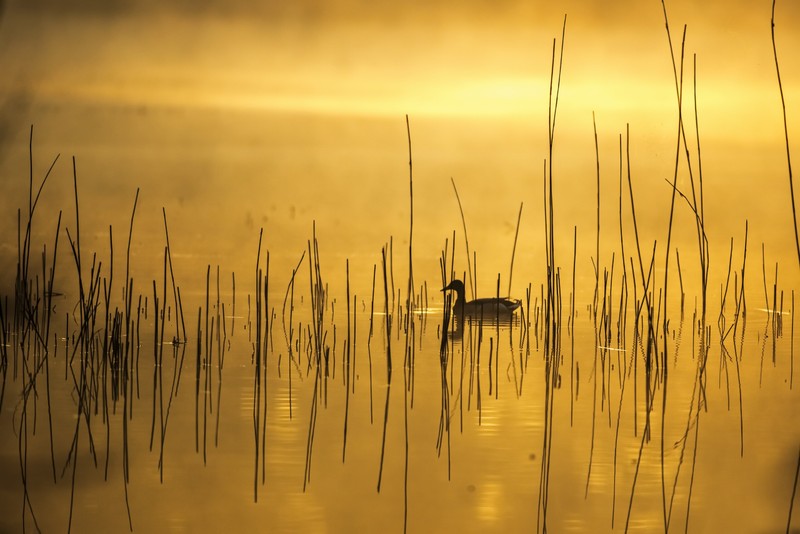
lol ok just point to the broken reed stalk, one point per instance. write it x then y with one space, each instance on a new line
178 335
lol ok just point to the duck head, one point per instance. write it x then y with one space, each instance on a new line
456 285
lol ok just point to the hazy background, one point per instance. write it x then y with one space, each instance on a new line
238 115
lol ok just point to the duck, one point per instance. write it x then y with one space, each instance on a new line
487 307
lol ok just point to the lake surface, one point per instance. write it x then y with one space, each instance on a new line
517 433
485 475
273 214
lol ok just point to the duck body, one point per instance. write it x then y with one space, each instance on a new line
486 307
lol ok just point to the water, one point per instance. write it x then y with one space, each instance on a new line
495 439
223 148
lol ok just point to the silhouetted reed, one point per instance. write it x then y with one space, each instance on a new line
102 342
785 129
289 336
260 377
472 277
552 331
348 342
320 348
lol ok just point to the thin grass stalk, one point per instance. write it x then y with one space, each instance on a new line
178 335
785 130
794 493
572 320
257 376
388 321
197 383
267 328
409 351
219 321
551 318
678 74
161 363
472 281
48 307
347 364
156 316
514 249
597 244
206 369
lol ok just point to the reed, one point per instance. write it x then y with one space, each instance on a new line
94 336
785 129
347 364
552 310
472 281
388 367
219 326
180 335
444 355
160 360
320 348
514 248
268 326
206 368
410 328
408 368
156 363
794 493
677 71
597 242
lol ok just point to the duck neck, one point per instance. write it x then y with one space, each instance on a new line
460 299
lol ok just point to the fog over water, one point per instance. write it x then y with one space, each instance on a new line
233 117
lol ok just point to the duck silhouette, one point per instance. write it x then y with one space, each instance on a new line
486 307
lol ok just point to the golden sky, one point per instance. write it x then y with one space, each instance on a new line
440 58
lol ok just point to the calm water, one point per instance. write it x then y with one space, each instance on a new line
497 421
486 474
307 140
